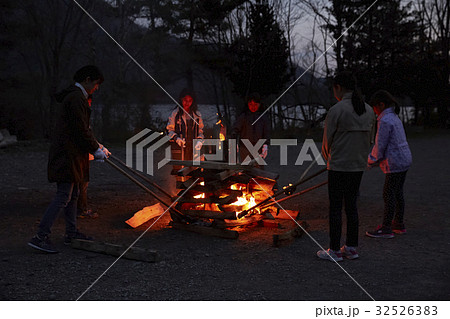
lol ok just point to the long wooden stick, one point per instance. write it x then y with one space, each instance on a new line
296 194
245 212
145 178
173 209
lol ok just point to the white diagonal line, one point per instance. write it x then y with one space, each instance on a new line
343 33
316 242
134 60
179 197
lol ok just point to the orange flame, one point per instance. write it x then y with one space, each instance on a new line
246 201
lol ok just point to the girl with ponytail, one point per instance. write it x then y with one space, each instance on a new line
391 152
347 137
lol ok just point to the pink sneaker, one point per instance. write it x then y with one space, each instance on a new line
398 228
331 255
349 252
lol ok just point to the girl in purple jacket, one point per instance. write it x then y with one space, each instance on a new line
391 152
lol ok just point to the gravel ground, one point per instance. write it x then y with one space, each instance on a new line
414 266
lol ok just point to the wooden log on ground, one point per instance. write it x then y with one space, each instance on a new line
209 214
134 253
209 231
145 214
290 234
269 224
244 221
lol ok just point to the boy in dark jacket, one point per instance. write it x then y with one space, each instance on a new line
68 164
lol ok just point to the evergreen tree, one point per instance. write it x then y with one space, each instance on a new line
380 46
259 61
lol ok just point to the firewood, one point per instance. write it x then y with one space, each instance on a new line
287 214
210 231
185 171
269 224
220 201
252 171
134 253
244 221
257 172
209 214
227 174
145 214
290 234
239 179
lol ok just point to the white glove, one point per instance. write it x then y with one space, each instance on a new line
181 142
198 145
265 149
99 155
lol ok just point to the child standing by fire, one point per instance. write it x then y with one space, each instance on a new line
391 152
68 163
347 137
250 132
184 126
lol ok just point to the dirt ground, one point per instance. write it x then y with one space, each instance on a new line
414 266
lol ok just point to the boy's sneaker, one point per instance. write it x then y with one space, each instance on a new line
380 232
42 243
77 235
331 255
398 228
349 252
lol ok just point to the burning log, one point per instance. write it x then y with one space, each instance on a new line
145 214
209 214
292 187
240 222
220 201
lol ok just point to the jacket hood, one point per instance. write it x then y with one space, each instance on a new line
61 95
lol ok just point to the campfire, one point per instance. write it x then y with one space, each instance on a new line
218 199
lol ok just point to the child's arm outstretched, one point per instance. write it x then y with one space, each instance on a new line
381 142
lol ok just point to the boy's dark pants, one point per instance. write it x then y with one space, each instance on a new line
394 203
65 199
343 188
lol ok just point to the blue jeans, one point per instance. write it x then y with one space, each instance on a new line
66 198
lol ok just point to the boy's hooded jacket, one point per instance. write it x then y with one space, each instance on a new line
72 139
